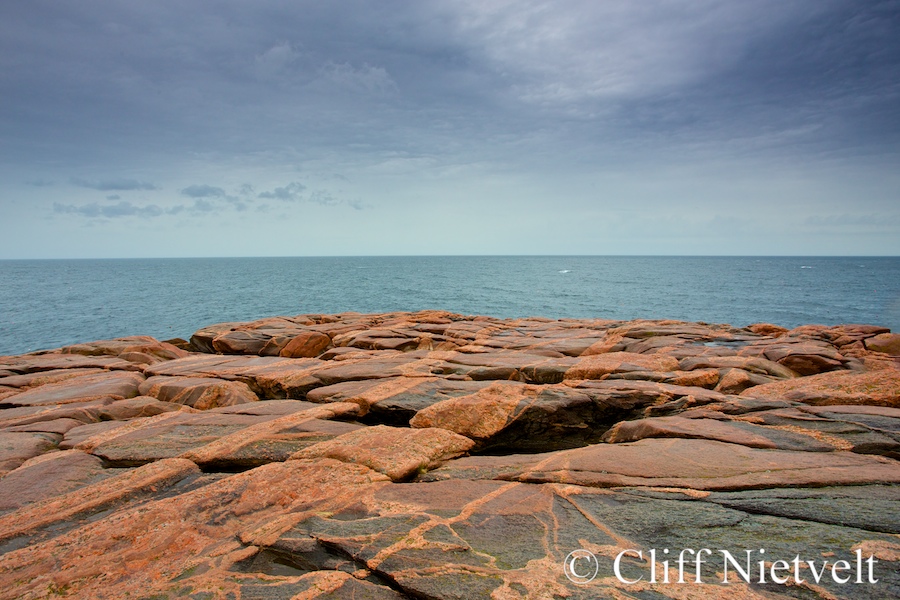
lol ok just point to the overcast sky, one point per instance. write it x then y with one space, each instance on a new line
286 128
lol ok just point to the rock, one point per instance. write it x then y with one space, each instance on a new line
17 447
267 376
32 363
321 489
274 440
201 393
54 426
139 344
878 388
48 475
704 465
889 343
39 378
803 357
202 340
601 365
397 452
511 415
241 342
767 329
116 385
733 432
94 497
141 549
135 408
308 344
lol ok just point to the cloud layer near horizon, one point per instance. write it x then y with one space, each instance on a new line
490 127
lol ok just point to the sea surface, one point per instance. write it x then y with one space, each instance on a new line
48 303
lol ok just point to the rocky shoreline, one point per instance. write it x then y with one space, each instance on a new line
435 455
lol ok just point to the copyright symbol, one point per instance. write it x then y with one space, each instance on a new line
581 567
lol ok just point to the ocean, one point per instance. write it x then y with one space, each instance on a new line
49 303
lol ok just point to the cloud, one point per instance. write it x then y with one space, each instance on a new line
40 182
366 78
292 192
109 211
275 61
203 191
109 185
114 197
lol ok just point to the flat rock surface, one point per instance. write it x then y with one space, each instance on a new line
435 455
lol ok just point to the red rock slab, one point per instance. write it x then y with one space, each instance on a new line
705 465
201 393
268 376
168 435
137 551
511 413
31 363
625 397
17 447
760 366
274 408
43 377
203 338
400 396
393 365
806 357
142 344
767 329
241 342
116 385
86 412
57 426
507 365
137 407
231 448
397 452
889 343
91 498
77 435
853 409
744 434
308 344
598 366
878 388
48 475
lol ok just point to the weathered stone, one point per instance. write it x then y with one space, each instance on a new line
512 415
202 340
889 343
733 432
600 365
879 388
135 408
138 344
17 447
48 475
241 342
201 393
705 465
267 376
116 385
397 452
141 549
308 344
94 497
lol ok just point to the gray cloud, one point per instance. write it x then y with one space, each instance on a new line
508 108
109 185
292 192
203 191
109 211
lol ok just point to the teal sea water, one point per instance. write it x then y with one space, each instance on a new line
49 303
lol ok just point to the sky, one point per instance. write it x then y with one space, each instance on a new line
301 128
